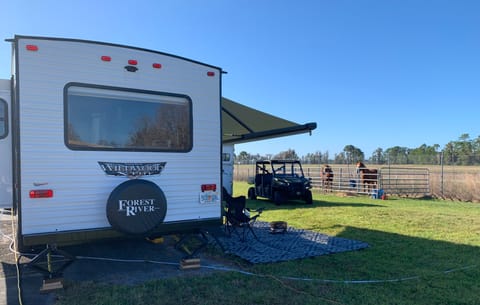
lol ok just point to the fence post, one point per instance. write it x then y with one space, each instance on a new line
441 174
340 180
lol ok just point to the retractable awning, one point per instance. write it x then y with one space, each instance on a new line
242 124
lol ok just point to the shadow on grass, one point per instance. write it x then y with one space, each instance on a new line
291 205
431 271
394 269
344 204
388 250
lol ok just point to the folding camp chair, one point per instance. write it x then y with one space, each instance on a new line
238 216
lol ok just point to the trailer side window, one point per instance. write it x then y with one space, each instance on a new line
105 118
3 119
226 157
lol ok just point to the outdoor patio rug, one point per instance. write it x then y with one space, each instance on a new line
291 245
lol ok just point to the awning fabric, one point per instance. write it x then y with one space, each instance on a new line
242 124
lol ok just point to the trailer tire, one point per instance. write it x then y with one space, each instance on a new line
136 207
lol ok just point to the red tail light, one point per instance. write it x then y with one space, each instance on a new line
157 65
209 187
41 193
106 58
132 62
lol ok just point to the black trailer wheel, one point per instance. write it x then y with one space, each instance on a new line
136 207
308 197
251 193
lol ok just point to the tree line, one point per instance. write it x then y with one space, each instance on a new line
464 151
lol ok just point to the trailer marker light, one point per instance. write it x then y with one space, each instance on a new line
31 47
41 193
132 62
106 58
211 73
157 65
209 187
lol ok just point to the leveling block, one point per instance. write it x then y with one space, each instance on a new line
190 263
51 284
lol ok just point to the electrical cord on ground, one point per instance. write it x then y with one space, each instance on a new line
230 269
291 278
17 255
280 279
216 268
13 246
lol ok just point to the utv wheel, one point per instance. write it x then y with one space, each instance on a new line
308 197
278 198
251 193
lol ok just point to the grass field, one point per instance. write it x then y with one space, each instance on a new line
421 252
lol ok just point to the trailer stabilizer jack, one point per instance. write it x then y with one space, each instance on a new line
51 262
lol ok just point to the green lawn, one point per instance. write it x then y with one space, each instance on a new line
421 252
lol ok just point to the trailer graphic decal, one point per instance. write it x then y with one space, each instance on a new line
132 169
133 206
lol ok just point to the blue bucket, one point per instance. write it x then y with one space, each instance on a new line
353 183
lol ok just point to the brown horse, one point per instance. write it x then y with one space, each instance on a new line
368 177
327 177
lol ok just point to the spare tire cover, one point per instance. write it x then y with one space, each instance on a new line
136 207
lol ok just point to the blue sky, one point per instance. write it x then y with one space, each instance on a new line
370 73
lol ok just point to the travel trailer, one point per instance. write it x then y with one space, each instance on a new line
99 140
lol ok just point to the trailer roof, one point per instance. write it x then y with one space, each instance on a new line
242 124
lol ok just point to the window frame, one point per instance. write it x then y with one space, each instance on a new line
4 120
119 90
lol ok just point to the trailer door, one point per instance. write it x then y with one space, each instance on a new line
5 147
227 167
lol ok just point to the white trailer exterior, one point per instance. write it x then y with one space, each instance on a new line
110 140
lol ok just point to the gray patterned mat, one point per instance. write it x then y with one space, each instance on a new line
293 244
